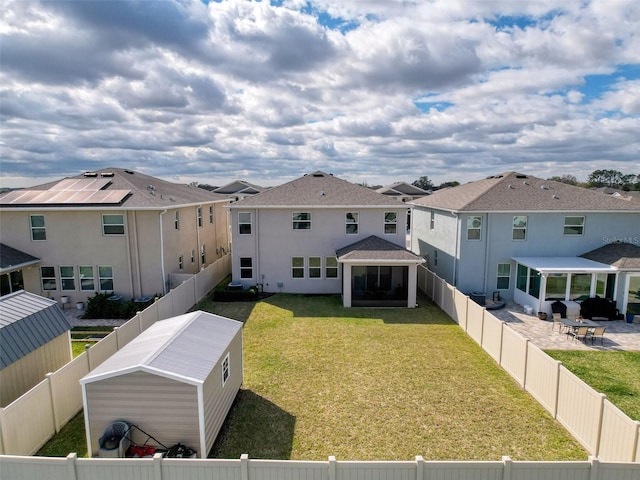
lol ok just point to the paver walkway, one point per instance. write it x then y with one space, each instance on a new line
618 336
75 318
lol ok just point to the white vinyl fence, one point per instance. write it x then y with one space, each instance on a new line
594 421
31 420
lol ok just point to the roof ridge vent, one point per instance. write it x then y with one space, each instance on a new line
521 176
107 174
318 174
90 174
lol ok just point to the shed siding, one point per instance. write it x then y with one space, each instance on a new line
162 407
218 399
31 369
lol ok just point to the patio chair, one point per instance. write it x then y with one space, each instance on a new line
579 333
557 323
115 441
596 332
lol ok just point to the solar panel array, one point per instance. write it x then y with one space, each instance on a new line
75 191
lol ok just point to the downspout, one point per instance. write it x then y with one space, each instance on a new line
137 250
457 253
129 262
257 249
486 256
198 238
164 282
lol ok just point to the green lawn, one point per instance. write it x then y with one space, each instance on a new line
375 384
616 374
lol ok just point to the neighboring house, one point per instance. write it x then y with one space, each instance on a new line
12 263
238 189
323 235
632 195
34 340
113 230
403 191
522 236
176 381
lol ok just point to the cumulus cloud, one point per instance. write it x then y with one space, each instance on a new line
371 91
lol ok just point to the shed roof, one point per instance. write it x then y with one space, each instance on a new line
185 348
27 321
376 249
512 191
13 259
317 189
624 256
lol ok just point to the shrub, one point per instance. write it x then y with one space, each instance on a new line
99 306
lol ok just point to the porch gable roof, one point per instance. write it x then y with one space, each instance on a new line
547 265
376 249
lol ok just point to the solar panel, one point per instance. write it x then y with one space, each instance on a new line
64 197
81 184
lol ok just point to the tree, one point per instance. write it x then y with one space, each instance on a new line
448 184
605 178
424 183
568 179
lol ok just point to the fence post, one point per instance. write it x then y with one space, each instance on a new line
419 467
157 466
71 466
86 350
557 395
593 471
600 420
115 329
2 433
635 453
506 467
51 399
526 359
244 466
332 467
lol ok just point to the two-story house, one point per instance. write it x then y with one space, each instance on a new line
113 230
323 235
525 238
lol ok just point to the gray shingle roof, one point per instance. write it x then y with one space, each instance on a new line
186 348
27 321
377 249
513 191
317 189
624 256
145 191
12 259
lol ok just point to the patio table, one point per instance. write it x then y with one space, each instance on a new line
570 323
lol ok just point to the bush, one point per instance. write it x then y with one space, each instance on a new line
222 293
99 306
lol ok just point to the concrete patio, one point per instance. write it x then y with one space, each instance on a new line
618 336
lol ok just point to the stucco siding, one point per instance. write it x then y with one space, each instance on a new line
162 407
441 239
31 369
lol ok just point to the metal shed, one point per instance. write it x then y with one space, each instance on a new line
176 381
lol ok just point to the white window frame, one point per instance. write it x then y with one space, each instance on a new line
244 269
193 256
515 229
295 268
245 223
508 277
176 220
83 277
472 228
350 222
66 279
181 262
203 254
112 225
580 226
102 278
48 277
432 220
199 216
388 223
328 268
299 222
314 271
226 369
211 216
43 228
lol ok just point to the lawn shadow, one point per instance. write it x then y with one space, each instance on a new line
257 427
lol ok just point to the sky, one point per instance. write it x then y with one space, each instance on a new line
373 91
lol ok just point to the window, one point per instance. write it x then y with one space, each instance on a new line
211 214
315 267
519 231
113 224
534 283
504 276
193 256
244 223
573 225
351 220
67 278
225 369
105 278
474 228
435 258
87 283
432 222
199 216
521 278
297 267
331 267
301 221
246 267
180 262
390 223
203 255
48 278
556 286
580 285
176 220
38 231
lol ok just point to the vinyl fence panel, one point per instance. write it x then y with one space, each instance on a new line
460 302
66 393
437 291
463 470
183 296
148 316
551 471
542 378
165 307
492 336
618 435
127 332
30 468
177 469
475 316
102 350
448 293
284 469
115 469
514 354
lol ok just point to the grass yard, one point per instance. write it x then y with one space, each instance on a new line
375 384
616 374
